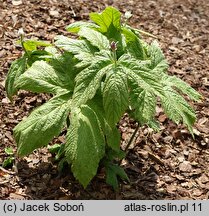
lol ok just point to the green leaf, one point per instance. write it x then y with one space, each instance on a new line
115 95
51 50
120 172
65 68
112 172
158 64
80 48
62 165
95 38
76 26
8 162
145 77
154 125
133 44
9 151
174 81
37 55
17 68
42 124
89 80
143 102
113 137
177 108
111 178
54 148
112 134
60 153
41 77
150 78
85 144
108 18
110 25
115 155
31 45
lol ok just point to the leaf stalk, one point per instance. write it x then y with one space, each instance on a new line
132 137
22 44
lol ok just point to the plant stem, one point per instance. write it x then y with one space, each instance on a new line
115 57
113 46
145 33
132 137
22 44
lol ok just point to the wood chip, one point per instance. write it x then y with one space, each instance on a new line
16 2
185 166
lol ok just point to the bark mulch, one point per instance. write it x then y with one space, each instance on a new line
169 164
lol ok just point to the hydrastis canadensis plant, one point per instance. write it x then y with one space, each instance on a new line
94 79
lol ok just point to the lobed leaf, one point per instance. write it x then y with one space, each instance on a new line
82 49
96 38
76 26
115 95
143 102
89 80
112 173
37 55
138 72
42 124
113 137
158 64
112 134
17 68
174 81
177 108
64 66
31 45
110 25
133 44
42 77
108 18
85 144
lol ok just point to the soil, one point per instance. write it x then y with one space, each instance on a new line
169 164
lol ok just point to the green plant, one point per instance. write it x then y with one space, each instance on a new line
58 151
94 79
8 161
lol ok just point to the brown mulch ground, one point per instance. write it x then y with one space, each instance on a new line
164 165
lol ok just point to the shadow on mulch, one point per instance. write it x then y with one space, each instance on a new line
43 181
